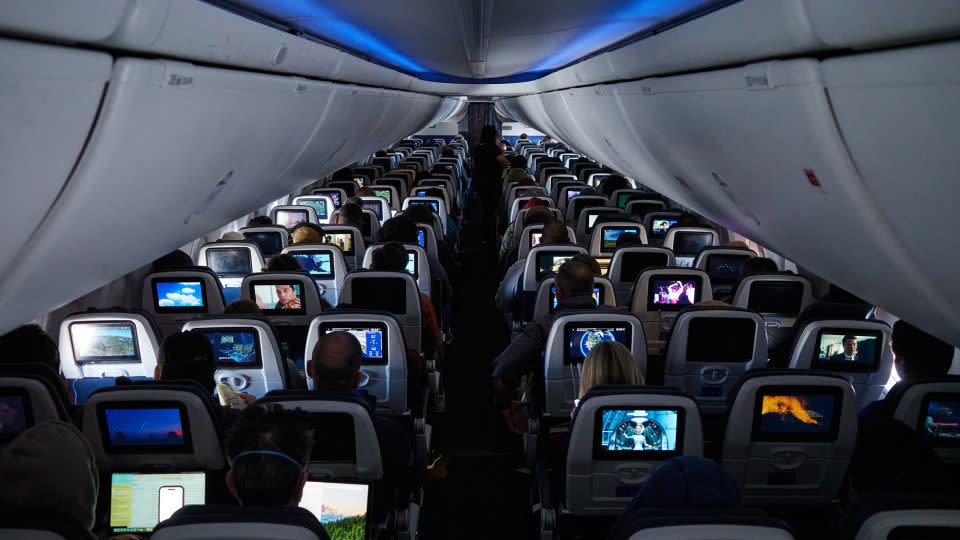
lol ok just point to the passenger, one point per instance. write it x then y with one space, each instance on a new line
176 259
51 468
335 369
268 449
517 162
629 240
189 356
510 231
612 183
30 344
756 265
259 221
305 233
574 283
688 220
232 236
392 257
366 192
243 306
917 355
590 262
739 244
523 137
351 214
283 262
488 164
536 215
608 362
403 229
554 232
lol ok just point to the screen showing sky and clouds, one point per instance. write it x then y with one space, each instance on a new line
317 264
179 294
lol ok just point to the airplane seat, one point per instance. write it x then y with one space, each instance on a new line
271 239
395 292
326 265
541 261
688 242
793 436
527 191
47 524
592 216
322 205
888 515
398 184
289 300
660 294
384 162
176 296
530 238
709 349
34 393
380 208
699 524
621 197
641 207
658 223
723 265
290 215
546 302
348 187
579 203
228 522
603 239
628 262
350 241
930 407
435 203
780 297
522 217
549 167
517 204
557 181
337 197
820 346
231 261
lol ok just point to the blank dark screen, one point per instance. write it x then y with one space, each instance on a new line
720 340
781 297
633 264
388 294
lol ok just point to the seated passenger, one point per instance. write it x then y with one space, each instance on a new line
511 232
523 356
687 482
538 215
629 239
283 262
30 344
590 262
232 236
366 192
304 233
174 260
608 362
403 229
335 368
917 355
259 221
189 356
612 183
517 162
392 257
242 306
268 449
351 213
554 232
756 265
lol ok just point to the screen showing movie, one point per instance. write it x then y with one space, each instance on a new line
647 433
340 508
725 269
318 264
624 198
334 196
674 292
15 414
550 263
229 261
434 205
179 296
360 180
714 339
104 342
342 240
797 414
659 227
571 193
610 235
592 219
270 243
234 348
776 297
139 501
370 335
373 206
536 237
384 193
291 218
279 297
581 337
318 205
411 266
604 263
146 427
690 244
387 294
597 297
422 237
940 419
848 350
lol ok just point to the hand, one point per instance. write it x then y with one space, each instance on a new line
516 420
247 398
294 304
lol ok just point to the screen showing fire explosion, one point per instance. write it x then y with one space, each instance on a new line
793 413
639 430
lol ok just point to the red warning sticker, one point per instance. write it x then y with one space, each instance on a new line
812 178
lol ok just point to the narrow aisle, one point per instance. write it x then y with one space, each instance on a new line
476 489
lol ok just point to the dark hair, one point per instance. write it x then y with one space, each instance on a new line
612 183
538 215
848 337
688 220
29 343
488 134
259 221
400 228
391 256
554 231
343 174
891 456
629 239
589 261
269 480
518 162
758 265
523 135
174 260
921 354
283 262
352 214
419 213
380 153
574 278
336 360
188 355
243 306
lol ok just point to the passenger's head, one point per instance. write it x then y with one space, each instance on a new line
343 174
688 220
172 261
335 364
523 136
517 162
612 183
737 244
268 448
51 466
380 153
243 306
366 192
351 214
538 215
489 134
232 236
186 355
573 279
589 261
400 228
688 481
29 343
283 262
419 213
305 233
918 354
629 239
890 456
391 257
609 362
555 232
758 265
259 221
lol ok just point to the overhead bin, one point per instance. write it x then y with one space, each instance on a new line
48 104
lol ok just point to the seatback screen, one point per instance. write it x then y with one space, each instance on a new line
234 348
282 298
642 433
291 218
318 263
848 350
659 227
434 205
373 206
571 193
412 267
802 414
16 415
148 427
940 419
318 205
176 296
604 263
598 296
581 337
270 242
139 501
327 449
690 244
341 508
725 269
388 294
334 196
536 236
114 341
229 261
371 335
343 240
711 339
674 293
550 263
422 237
384 193
633 263
776 297
610 235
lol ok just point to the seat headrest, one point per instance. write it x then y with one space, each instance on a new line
45 376
731 522
288 522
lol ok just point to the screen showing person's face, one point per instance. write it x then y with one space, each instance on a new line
279 296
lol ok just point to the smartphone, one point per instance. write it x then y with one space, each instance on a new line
169 500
